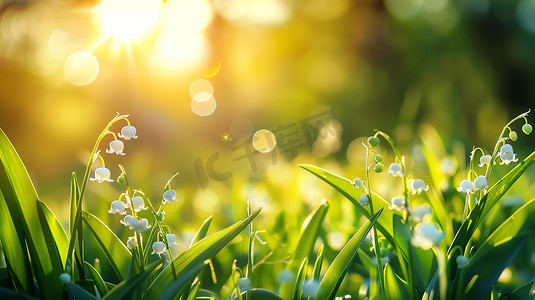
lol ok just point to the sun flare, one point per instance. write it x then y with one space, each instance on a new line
127 19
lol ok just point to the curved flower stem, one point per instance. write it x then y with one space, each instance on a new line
375 239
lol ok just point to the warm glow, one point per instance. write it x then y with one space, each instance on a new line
127 19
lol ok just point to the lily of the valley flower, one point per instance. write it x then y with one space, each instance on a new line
102 174
398 203
427 235
138 203
485 160
419 186
169 196
462 261
506 154
171 239
158 248
118 207
65 277
467 187
131 243
395 170
480 182
116 146
357 182
419 212
135 224
364 199
128 132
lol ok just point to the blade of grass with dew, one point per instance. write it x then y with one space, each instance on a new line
116 252
336 272
99 282
14 248
129 285
342 185
482 275
173 291
397 288
305 245
198 253
202 231
493 195
22 200
62 242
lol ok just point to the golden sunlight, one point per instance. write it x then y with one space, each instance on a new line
127 19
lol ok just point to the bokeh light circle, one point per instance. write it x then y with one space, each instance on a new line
264 141
203 108
81 68
201 86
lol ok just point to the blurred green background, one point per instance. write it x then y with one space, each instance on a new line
408 67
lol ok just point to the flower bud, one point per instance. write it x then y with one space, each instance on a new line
379 168
121 179
373 141
527 128
512 135
379 158
462 261
364 199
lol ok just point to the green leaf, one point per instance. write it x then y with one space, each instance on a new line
342 185
316 272
99 282
173 291
22 201
62 242
202 231
127 286
525 291
335 274
14 247
396 287
300 279
493 195
77 292
261 294
193 291
10 294
196 254
483 271
116 252
305 245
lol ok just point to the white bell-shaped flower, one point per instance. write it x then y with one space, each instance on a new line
158 248
427 235
364 199
398 203
462 261
171 239
65 277
419 212
395 170
507 155
116 146
102 174
138 203
419 186
466 187
137 225
128 132
485 160
480 182
357 182
131 242
169 196
118 207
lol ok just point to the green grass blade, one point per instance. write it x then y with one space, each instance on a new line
483 272
99 282
15 254
62 242
342 185
202 231
305 245
22 200
127 286
396 287
525 291
316 272
173 291
196 254
338 268
193 291
300 279
77 292
493 195
260 294
6 293
116 252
